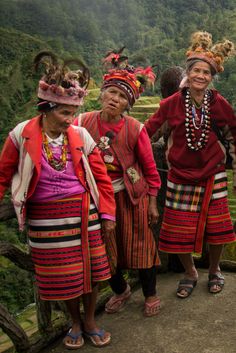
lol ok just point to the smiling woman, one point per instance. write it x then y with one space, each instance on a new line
196 204
199 78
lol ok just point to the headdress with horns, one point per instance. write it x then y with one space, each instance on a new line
59 84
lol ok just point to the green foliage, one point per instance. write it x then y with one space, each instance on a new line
91 104
154 32
16 288
16 284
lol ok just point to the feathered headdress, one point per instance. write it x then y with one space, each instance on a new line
215 55
132 81
59 84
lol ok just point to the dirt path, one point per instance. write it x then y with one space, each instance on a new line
202 323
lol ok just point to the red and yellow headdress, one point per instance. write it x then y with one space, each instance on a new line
132 81
202 49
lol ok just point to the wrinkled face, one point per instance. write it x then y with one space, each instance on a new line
199 76
59 119
114 101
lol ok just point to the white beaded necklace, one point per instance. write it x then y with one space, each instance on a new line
193 122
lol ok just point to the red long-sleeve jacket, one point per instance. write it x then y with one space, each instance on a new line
9 161
194 166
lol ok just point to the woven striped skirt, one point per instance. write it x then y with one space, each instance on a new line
196 213
66 247
136 246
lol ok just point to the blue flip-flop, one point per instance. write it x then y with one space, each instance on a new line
74 338
100 333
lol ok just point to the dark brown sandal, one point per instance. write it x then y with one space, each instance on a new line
187 285
215 279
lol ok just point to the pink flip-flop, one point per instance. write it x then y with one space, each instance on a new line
152 308
117 301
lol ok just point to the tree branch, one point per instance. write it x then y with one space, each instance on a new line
17 256
14 331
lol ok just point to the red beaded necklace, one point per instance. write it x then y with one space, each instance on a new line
54 163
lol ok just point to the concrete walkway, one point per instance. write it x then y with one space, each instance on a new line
202 323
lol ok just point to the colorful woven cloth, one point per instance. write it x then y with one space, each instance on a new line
66 247
136 245
194 213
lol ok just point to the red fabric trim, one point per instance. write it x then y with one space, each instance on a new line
85 243
203 215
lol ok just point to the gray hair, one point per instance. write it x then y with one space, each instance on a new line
188 67
191 62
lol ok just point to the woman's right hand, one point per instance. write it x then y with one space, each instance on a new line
108 227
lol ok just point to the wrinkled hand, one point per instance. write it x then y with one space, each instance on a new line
153 214
108 227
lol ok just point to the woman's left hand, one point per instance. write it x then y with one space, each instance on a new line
153 214
108 227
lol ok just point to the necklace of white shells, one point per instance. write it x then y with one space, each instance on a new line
193 122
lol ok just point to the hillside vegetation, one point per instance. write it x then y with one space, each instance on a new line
154 32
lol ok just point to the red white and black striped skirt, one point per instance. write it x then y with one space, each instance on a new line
194 213
66 247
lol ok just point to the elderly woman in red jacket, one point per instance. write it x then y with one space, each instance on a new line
196 199
59 182
127 153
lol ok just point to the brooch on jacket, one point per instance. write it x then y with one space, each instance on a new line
133 175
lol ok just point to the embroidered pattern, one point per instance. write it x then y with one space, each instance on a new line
133 174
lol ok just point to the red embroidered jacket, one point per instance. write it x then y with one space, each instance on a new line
9 161
124 146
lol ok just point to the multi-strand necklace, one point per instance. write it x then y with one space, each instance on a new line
55 163
193 122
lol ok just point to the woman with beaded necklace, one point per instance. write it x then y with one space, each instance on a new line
196 202
60 183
